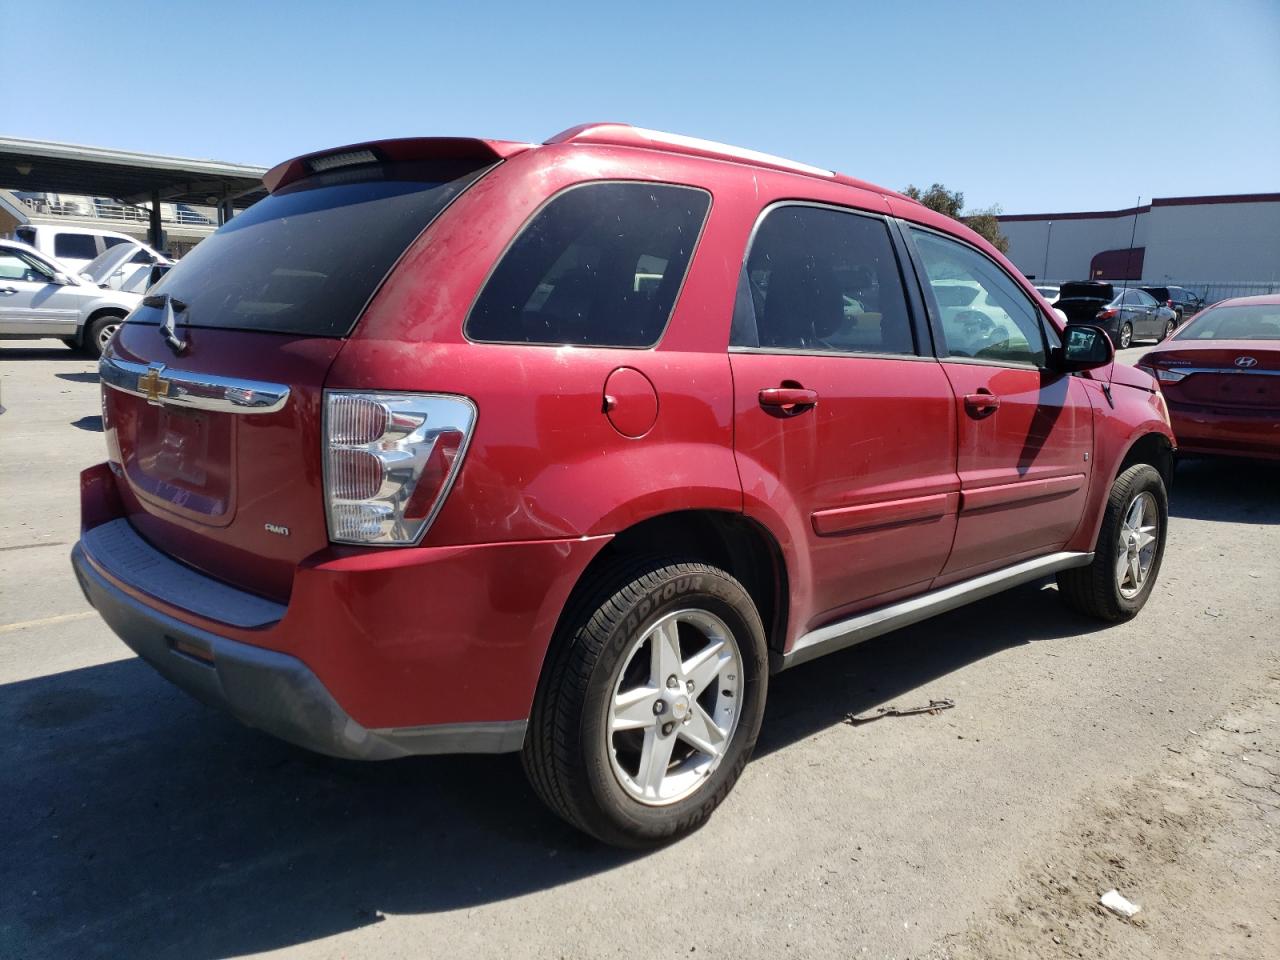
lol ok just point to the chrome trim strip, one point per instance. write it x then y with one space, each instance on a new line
873 623
1230 371
160 385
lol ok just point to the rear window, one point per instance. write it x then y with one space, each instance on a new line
27 236
306 260
75 246
1259 321
599 265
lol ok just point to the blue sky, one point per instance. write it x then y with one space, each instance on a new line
1038 106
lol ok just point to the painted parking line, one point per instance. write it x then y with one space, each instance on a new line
45 621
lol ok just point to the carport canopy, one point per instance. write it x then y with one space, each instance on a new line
45 166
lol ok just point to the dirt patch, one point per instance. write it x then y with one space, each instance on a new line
1196 843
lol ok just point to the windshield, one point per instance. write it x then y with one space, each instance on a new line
1253 321
307 259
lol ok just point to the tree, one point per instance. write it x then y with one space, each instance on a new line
949 203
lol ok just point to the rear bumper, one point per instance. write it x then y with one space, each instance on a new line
270 690
1201 431
378 653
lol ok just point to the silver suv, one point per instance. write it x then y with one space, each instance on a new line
40 297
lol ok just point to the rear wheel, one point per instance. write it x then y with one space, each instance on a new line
100 332
650 703
1126 336
1130 547
1169 326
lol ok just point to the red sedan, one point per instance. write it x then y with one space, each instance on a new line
1220 375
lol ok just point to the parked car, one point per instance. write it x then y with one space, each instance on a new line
1126 314
126 266
1180 300
570 460
41 297
1220 374
76 247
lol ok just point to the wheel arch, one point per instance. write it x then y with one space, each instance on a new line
741 546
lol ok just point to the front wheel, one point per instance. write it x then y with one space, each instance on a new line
650 703
100 333
1126 559
1126 336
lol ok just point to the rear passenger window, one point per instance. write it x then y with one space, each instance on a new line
600 265
76 246
818 279
996 321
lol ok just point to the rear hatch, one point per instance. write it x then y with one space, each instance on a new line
1082 300
213 388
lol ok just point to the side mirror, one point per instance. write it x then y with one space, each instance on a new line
1085 348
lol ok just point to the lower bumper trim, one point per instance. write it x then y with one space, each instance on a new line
270 690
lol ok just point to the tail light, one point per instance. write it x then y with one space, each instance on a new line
1107 314
1164 376
1169 304
389 461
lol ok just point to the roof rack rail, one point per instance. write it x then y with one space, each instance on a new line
625 135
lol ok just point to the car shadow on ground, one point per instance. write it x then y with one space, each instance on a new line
42 353
87 377
1226 489
137 822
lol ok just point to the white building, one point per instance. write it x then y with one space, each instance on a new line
1223 242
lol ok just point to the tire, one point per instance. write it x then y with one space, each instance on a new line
594 776
1169 327
100 332
1126 336
72 342
1099 590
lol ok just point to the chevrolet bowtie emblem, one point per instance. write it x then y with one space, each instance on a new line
152 387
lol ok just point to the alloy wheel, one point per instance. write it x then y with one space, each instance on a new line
675 707
105 334
1126 336
1139 533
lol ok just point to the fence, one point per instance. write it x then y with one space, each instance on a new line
97 208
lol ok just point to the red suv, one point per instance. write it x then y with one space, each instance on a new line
460 445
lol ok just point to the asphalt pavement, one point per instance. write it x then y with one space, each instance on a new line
135 822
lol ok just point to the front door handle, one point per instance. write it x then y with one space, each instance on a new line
788 398
8 289
981 404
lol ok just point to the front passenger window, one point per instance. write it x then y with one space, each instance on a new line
985 315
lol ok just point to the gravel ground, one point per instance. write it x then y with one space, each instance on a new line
136 823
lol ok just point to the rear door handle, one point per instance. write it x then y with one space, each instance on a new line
8 289
792 398
981 404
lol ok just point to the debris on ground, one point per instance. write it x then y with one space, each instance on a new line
933 708
1118 905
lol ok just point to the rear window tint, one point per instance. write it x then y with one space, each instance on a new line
599 265
306 260
75 246
819 279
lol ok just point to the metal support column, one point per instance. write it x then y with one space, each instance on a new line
155 234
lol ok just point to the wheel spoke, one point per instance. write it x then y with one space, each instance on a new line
1122 565
705 665
1146 536
702 733
634 709
1135 571
664 654
655 757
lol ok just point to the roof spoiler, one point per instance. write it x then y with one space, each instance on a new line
386 151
